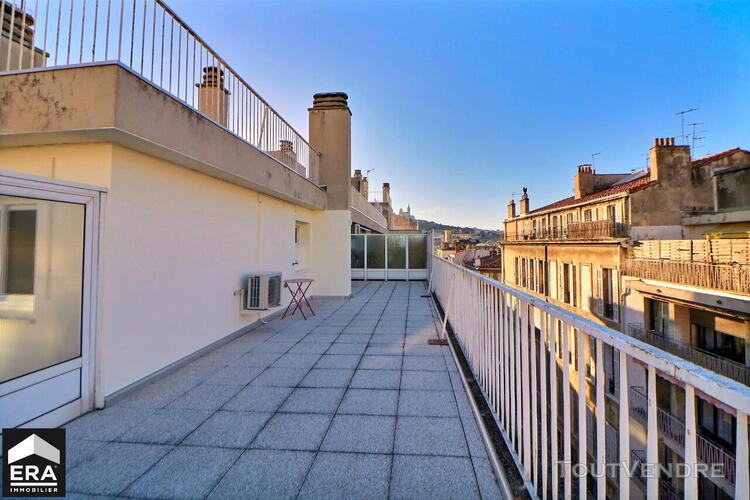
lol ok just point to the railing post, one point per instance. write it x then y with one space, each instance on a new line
691 452
554 452
652 437
582 449
534 416
513 366
624 428
601 457
742 465
526 409
543 398
567 473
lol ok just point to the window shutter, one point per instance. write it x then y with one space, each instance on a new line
616 294
553 279
599 294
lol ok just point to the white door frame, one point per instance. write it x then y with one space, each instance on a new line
94 199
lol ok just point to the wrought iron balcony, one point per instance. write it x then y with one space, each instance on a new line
728 277
673 428
591 230
708 360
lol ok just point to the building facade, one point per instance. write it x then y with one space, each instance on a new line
660 254
135 207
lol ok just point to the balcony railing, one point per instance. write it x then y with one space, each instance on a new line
493 324
728 277
673 428
592 230
152 41
361 205
710 361
597 229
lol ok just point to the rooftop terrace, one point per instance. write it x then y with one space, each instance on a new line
352 403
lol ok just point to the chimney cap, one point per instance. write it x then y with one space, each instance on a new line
664 141
357 171
330 100
386 184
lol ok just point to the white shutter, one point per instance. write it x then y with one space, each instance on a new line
553 279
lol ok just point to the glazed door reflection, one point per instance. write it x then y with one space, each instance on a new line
42 273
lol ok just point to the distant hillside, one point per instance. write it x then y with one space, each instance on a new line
480 234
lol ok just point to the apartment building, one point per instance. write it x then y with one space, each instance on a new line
660 254
139 191
377 216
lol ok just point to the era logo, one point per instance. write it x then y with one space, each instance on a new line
34 462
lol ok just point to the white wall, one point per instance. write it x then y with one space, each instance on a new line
177 244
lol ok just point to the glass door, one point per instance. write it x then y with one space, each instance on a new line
45 306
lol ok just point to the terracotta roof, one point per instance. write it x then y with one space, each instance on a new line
637 183
626 187
715 156
491 261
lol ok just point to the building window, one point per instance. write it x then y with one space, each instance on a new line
301 246
542 278
608 293
568 283
719 343
20 251
718 424
611 213
553 280
587 215
658 317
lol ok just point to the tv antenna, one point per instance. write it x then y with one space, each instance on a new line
367 172
682 114
693 136
593 157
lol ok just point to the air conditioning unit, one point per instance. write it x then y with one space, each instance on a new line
263 291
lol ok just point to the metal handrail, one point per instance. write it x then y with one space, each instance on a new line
156 44
495 325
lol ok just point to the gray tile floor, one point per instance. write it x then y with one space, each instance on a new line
350 404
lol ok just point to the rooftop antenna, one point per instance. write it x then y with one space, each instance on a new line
367 172
593 157
693 137
682 114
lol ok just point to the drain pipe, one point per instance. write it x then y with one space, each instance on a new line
502 480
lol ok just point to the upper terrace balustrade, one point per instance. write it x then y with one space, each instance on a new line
591 230
368 210
497 326
153 42
721 264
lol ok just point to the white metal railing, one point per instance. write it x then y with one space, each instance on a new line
361 205
152 41
493 324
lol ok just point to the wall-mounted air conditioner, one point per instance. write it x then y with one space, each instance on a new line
263 291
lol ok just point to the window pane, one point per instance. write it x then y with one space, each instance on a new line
358 251
40 314
417 251
375 251
396 252
19 274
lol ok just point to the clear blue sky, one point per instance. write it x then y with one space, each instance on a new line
460 104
